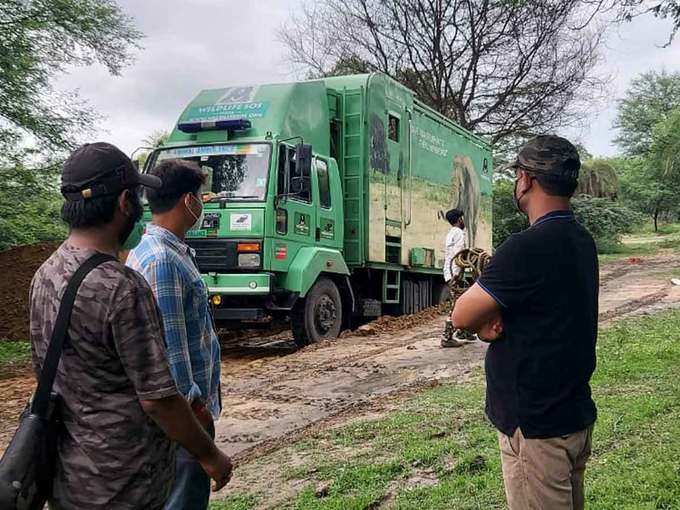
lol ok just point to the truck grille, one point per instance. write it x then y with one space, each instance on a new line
215 255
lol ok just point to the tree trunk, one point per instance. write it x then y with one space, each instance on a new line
656 220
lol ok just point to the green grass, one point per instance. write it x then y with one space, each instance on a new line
14 353
442 432
645 242
234 502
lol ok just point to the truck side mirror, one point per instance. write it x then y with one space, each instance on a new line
303 159
301 180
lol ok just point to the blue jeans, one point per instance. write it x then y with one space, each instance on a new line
191 490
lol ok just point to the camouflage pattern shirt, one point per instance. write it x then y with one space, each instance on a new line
111 454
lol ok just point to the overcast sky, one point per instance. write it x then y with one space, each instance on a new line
199 44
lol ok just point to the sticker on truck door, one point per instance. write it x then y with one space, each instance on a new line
240 221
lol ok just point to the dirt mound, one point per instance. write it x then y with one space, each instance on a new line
17 266
388 323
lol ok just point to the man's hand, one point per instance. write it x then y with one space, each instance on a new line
476 311
218 466
174 415
491 330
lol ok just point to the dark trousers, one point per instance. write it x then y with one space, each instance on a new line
191 490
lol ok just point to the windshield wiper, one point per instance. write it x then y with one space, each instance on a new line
244 196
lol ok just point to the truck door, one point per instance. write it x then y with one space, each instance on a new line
327 197
295 215
397 149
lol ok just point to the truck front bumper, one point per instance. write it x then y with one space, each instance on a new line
238 284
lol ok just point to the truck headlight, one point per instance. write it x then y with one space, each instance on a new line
249 259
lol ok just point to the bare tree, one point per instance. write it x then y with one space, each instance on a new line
505 69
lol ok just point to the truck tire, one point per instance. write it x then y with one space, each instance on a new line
319 315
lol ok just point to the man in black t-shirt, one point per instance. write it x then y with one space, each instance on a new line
537 304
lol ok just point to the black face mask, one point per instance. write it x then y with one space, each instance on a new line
135 216
515 198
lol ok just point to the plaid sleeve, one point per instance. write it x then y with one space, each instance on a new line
167 284
138 338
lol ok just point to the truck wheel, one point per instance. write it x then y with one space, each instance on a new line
319 315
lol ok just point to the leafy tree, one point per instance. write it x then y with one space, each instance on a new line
663 9
598 178
151 142
651 182
29 201
648 100
38 40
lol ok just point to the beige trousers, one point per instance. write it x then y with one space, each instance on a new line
545 474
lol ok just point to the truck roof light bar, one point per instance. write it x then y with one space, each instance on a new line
211 125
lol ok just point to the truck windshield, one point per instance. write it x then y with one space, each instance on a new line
234 171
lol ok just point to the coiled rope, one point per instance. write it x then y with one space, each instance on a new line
472 262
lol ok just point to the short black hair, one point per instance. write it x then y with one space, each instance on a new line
89 212
453 215
96 211
556 186
179 177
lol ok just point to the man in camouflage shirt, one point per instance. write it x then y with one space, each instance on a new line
121 409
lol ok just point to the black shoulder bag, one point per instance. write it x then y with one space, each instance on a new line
27 466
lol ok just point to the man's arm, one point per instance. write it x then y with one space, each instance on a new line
175 417
477 311
138 339
168 288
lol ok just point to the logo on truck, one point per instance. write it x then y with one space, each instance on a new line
241 221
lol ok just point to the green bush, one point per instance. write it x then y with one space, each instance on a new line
606 220
506 218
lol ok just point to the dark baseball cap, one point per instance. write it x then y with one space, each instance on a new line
549 155
98 169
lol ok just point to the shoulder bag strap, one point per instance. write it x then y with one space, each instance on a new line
41 398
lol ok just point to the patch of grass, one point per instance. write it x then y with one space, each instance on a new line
234 502
621 251
443 432
641 243
664 228
14 353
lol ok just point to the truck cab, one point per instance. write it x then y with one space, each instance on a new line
273 223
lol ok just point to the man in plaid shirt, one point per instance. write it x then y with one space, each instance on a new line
193 350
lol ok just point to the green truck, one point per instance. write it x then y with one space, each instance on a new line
325 198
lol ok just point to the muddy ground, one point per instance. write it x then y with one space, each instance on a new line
273 394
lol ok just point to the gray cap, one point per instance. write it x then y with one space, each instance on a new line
549 155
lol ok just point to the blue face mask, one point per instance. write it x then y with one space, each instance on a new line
135 236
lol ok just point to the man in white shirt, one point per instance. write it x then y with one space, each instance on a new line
456 241
454 244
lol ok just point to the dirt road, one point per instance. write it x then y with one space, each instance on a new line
272 394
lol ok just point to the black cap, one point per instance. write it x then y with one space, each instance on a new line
549 155
98 169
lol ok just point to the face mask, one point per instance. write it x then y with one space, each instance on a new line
199 219
515 198
132 233
135 236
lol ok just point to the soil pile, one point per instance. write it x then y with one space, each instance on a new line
17 267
